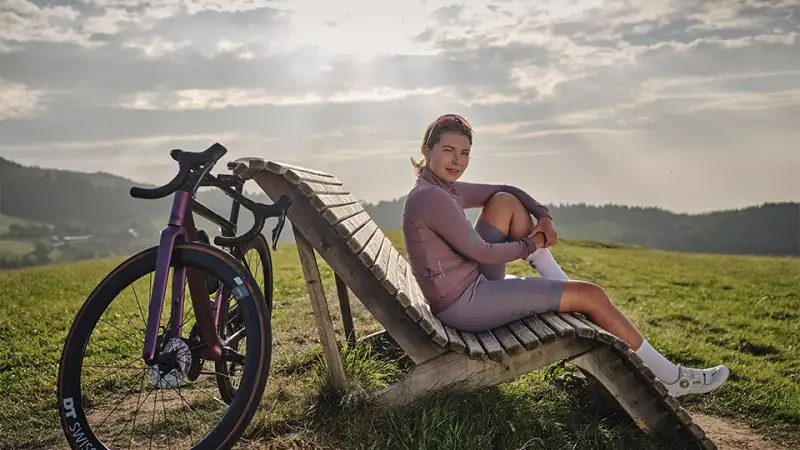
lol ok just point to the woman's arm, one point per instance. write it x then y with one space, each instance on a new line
475 195
444 216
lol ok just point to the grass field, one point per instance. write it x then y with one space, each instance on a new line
6 221
13 247
16 248
699 310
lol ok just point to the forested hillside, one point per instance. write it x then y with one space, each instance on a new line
41 207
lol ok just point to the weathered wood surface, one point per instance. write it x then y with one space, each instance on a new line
350 267
319 305
339 228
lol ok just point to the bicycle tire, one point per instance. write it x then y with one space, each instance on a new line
259 244
192 255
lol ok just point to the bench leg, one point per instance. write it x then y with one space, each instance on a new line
319 305
347 315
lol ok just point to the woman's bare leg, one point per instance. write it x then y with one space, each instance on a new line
592 300
501 221
508 216
506 213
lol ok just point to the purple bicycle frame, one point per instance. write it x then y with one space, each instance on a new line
181 228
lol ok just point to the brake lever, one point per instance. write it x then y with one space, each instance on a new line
283 203
276 232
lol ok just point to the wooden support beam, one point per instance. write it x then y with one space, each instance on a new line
347 315
605 365
457 370
320 307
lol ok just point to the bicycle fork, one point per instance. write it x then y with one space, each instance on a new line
180 229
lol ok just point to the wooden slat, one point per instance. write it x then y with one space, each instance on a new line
247 167
581 329
392 281
491 345
474 348
524 335
348 227
381 267
360 239
296 177
428 321
636 361
323 202
406 278
382 247
454 341
439 335
540 329
240 169
309 188
660 388
280 168
561 328
340 213
404 296
370 252
600 333
417 300
507 339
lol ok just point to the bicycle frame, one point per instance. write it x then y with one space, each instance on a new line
181 228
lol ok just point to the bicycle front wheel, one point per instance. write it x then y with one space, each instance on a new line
108 398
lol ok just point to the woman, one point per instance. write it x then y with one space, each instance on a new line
461 269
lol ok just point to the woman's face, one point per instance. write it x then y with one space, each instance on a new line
449 157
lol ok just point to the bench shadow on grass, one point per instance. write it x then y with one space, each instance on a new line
548 409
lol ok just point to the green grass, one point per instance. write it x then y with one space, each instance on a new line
698 310
16 248
7 221
13 247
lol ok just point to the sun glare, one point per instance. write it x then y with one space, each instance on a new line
358 29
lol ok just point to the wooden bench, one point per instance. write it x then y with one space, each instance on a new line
326 217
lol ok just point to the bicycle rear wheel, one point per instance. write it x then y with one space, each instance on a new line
97 342
256 257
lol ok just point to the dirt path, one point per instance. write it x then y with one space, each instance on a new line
733 435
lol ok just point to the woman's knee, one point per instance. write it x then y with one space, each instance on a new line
583 296
497 211
505 212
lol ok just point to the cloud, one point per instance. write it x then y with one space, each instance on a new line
578 83
18 101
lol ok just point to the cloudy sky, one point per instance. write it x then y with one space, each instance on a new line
688 105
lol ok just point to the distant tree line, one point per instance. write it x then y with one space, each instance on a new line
74 203
768 229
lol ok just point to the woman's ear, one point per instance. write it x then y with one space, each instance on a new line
426 152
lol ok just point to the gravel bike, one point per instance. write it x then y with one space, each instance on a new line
145 353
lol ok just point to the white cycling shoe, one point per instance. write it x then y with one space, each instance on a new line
698 381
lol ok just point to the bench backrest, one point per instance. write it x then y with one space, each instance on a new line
343 213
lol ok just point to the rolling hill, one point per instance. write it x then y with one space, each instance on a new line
99 205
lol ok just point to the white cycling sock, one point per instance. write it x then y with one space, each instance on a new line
665 370
544 263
